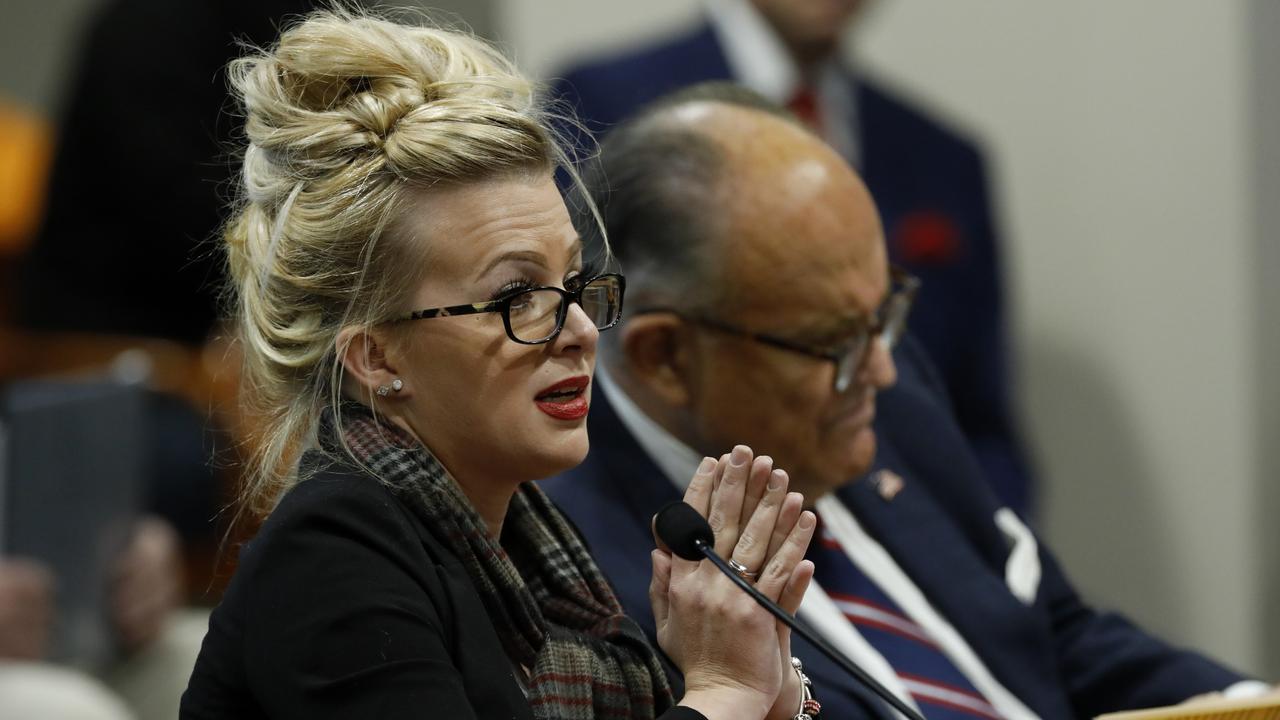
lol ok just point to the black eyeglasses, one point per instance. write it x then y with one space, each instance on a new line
536 315
887 324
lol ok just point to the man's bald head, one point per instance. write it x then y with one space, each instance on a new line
658 185
733 223
701 194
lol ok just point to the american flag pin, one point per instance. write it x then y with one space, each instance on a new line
888 483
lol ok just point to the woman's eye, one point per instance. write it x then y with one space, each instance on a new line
512 288
521 302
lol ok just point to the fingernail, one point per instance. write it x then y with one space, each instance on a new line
741 455
806 520
706 466
777 479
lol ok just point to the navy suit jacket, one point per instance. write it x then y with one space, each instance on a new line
1062 658
931 189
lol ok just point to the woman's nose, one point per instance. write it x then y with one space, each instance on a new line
578 333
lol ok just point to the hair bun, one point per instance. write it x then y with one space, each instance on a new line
304 105
381 107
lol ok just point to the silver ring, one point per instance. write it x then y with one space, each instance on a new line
742 570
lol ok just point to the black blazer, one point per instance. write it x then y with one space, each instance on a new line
344 606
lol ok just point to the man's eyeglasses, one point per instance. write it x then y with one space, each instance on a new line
536 315
887 324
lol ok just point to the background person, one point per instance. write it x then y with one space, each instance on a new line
147 589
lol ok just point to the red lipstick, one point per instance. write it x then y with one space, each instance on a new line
566 400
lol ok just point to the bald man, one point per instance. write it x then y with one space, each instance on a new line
762 310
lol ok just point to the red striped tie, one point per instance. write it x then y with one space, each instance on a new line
804 104
934 681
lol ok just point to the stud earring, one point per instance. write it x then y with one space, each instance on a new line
397 384
385 390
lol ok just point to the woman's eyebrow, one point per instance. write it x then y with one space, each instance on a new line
530 256
533 256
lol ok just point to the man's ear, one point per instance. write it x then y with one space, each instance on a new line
363 354
655 349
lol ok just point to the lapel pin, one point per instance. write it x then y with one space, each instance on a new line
888 483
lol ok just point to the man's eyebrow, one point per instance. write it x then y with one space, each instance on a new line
832 327
837 323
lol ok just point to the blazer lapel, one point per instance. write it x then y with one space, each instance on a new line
639 482
933 551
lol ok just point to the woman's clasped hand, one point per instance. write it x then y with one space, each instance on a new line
735 656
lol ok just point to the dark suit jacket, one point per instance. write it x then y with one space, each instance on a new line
344 606
1061 657
931 188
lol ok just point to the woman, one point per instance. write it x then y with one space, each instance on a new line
418 320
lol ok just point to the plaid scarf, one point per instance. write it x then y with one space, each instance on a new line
552 608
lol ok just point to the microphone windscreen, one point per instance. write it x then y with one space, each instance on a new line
681 528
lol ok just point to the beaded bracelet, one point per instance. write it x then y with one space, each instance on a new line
809 708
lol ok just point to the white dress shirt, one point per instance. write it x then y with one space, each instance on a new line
679 462
759 60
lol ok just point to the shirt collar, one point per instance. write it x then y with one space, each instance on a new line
756 55
759 60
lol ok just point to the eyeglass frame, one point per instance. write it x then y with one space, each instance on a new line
503 305
909 287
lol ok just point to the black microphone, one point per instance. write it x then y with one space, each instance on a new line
689 536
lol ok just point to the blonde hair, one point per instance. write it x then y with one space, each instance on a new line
346 117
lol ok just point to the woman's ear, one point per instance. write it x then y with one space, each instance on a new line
655 348
367 364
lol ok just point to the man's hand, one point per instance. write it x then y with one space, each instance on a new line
148 583
26 609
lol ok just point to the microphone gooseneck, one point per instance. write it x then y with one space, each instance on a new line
689 536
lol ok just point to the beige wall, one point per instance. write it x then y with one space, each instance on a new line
39 42
1119 139
1121 133
1264 24
37 47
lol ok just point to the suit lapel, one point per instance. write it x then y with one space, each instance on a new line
705 57
644 488
635 488
934 552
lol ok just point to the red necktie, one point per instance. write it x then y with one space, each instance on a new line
938 686
804 105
